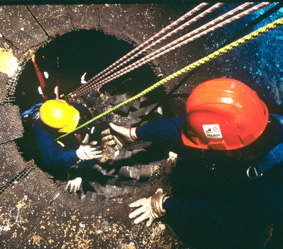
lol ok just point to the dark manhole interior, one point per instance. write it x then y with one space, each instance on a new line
63 62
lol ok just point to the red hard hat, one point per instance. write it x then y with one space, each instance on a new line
223 114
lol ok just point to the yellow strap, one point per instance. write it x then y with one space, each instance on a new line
190 67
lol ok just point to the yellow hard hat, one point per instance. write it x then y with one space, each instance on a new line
60 115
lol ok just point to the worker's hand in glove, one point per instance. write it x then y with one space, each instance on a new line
74 185
116 136
149 208
89 151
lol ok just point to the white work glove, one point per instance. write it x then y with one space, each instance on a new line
117 136
88 152
150 208
86 139
74 185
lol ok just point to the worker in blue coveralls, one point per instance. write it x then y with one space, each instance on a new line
50 120
230 155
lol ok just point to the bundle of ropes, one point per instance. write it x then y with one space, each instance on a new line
113 71
190 67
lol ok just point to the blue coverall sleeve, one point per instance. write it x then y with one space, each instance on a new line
53 153
162 129
236 212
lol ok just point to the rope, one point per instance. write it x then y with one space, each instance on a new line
181 41
121 62
163 31
247 28
190 67
205 29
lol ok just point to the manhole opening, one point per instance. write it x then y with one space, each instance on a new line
63 62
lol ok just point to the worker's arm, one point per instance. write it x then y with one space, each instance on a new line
162 129
159 130
245 211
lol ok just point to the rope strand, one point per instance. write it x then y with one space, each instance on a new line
175 31
204 29
151 39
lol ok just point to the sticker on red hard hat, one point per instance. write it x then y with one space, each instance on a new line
212 131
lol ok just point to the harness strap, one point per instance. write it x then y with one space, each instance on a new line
273 158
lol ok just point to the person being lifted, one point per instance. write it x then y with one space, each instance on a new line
230 154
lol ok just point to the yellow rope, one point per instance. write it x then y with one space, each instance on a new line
190 67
